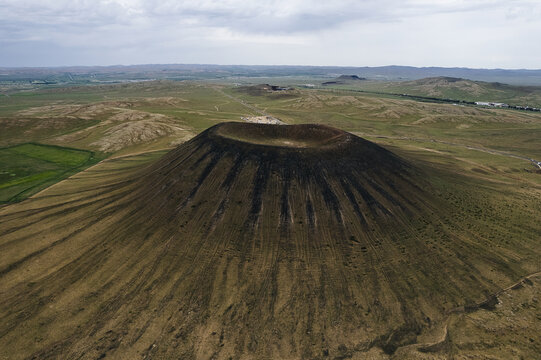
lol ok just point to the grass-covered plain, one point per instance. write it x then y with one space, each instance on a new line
99 279
28 168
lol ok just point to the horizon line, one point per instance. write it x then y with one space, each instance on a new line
266 65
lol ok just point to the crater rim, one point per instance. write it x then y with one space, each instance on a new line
297 136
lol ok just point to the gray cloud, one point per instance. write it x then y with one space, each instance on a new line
212 31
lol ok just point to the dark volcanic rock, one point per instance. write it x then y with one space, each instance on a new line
344 79
340 174
350 77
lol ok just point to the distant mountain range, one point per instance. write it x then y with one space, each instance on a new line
202 71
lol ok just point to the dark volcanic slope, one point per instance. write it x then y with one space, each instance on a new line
254 241
292 179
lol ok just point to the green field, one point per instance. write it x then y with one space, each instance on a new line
27 168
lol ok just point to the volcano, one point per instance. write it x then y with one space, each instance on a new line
248 241
294 179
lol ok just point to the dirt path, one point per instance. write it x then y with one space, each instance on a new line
512 286
245 104
440 340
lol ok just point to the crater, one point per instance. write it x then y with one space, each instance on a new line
303 136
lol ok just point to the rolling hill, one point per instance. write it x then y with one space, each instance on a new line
461 89
250 241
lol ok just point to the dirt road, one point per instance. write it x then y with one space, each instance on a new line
245 104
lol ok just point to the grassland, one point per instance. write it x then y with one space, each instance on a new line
87 115
123 119
71 311
83 295
29 168
374 115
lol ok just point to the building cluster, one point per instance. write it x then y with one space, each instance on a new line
503 105
492 104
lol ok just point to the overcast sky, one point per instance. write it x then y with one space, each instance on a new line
474 33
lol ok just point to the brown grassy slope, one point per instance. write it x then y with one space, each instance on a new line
229 248
507 329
